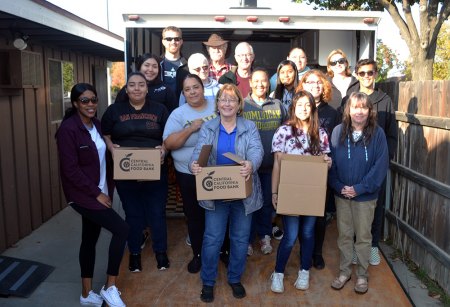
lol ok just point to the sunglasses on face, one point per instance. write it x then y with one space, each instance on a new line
364 73
204 68
169 39
340 61
85 100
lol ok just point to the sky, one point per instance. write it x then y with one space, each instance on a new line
102 11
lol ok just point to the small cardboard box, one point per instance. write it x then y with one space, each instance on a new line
132 163
303 185
221 181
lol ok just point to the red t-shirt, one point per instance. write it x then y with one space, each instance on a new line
243 85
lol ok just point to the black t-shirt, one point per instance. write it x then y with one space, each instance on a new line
129 127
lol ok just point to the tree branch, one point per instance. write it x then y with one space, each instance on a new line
398 20
443 15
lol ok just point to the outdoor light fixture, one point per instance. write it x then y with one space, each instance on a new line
133 17
284 19
20 42
220 18
369 20
252 18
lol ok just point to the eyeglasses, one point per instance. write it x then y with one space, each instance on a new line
204 68
364 73
246 55
228 100
340 61
314 82
85 100
169 39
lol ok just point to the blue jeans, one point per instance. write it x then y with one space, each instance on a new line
292 226
262 218
145 201
215 227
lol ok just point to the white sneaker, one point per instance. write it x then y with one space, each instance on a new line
266 248
277 282
249 250
93 299
375 258
302 282
112 296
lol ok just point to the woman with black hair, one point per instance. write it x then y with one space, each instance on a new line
88 187
287 81
148 65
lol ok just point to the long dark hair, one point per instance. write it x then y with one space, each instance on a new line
313 130
278 94
75 93
369 128
140 61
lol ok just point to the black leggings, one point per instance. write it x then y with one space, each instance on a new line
92 222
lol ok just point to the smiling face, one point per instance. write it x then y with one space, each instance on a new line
303 109
244 56
149 69
200 68
365 80
259 83
85 107
137 89
228 104
172 41
359 113
287 75
314 85
299 58
193 92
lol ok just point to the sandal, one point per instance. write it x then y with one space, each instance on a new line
340 282
361 286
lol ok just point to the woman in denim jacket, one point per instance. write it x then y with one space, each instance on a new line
228 133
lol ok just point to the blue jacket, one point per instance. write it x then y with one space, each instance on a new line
247 145
365 172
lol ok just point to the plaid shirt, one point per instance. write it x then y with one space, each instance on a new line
216 74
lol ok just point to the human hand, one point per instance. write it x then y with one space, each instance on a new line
104 200
162 152
275 200
196 124
111 149
196 168
327 159
348 192
246 169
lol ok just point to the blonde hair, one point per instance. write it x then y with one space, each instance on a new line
344 56
233 90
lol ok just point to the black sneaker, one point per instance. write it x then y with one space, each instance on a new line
207 295
195 265
318 262
225 258
162 261
238 290
134 264
277 233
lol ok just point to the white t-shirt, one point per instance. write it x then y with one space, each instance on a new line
101 149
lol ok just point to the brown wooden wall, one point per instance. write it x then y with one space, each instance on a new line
30 190
419 215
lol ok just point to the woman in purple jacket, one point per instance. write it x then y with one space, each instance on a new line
88 186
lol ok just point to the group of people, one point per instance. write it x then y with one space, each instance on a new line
179 105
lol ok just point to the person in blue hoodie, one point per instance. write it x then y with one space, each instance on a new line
360 162
148 65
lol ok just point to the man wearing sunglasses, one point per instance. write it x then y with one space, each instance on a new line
366 72
173 65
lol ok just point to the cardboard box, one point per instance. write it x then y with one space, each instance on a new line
303 185
221 181
131 163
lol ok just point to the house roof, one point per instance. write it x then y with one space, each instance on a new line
48 25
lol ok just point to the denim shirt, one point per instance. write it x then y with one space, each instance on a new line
247 145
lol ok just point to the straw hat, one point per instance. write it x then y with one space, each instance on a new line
215 40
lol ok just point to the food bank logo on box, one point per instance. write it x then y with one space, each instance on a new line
211 183
128 164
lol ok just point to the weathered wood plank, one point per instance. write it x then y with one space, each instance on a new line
423 120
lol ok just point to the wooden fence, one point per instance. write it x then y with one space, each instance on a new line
419 213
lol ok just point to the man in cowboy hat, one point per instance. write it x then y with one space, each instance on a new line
217 49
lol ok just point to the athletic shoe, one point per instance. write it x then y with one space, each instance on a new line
302 282
162 261
277 285
238 290
188 240
277 233
249 250
112 296
93 299
207 295
134 264
195 265
375 258
354 257
266 248
145 236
